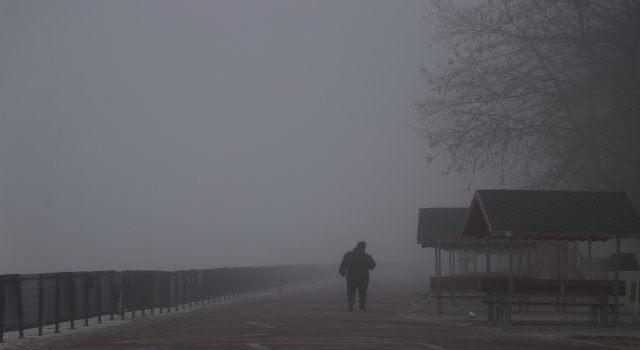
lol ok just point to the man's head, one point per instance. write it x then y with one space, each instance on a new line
361 245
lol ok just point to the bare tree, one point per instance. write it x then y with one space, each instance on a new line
546 93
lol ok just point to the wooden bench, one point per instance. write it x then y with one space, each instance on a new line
602 289
469 286
582 288
457 283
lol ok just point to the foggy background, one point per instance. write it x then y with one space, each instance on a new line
176 135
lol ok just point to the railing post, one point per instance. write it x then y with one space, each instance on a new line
72 299
160 302
40 303
112 280
98 286
123 293
153 292
169 289
137 292
85 297
18 291
189 294
57 297
182 282
133 297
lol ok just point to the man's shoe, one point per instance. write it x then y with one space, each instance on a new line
361 309
350 308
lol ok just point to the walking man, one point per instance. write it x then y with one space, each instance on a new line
355 266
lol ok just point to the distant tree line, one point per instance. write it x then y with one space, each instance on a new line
542 92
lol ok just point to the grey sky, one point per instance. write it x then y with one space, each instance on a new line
171 135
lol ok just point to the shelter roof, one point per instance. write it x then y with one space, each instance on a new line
552 215
443 227
441 223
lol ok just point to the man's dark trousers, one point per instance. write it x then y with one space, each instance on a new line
361 285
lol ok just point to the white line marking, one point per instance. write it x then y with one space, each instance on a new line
260 325
258 346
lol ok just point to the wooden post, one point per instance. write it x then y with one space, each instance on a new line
589 274
534 273
475 261
510 276
637 297
40 303
438 273
557 272
520 272
528 275
486 243
565 269
616 285
487 257
450 266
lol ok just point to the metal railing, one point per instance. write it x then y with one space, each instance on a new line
37 300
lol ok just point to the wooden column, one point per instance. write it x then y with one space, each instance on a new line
438 274
510 276
616 285
589 273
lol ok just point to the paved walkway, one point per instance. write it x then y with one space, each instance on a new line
313 317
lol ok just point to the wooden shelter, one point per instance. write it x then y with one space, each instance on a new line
440 228
551 215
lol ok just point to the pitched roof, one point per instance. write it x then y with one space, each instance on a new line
441 223
552 214
442 227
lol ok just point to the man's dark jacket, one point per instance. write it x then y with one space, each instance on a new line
357 264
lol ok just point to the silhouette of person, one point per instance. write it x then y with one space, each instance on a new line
355 266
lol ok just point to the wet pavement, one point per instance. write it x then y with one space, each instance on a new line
311 317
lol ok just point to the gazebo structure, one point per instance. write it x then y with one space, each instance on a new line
510 215
440 228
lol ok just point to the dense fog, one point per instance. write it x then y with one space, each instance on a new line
175 135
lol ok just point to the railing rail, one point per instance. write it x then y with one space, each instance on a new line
37 300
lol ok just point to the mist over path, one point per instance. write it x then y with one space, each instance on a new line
310 317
